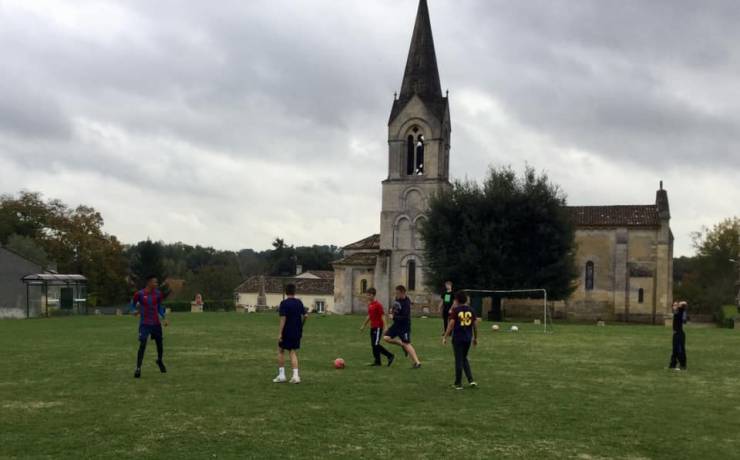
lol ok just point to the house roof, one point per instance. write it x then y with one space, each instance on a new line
317 274
615 216
276 285
371 242
361 258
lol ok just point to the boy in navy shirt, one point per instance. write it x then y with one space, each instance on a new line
464 329
147 305
292 316
400 332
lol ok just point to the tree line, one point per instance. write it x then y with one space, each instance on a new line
72 240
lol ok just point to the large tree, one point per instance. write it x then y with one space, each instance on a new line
510 232
72 239
147 259
708 280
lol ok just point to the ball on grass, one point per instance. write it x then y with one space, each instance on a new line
339 363
495 328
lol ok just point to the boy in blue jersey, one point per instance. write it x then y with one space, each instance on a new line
292 317
464 329
400 332
147 304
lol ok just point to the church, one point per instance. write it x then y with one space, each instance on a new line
625 253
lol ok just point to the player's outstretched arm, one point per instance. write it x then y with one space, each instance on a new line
364 324
133 308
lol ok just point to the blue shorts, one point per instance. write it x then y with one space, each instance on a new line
153 330
290 343
401 331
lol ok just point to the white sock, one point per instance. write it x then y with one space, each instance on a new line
281 372
295 373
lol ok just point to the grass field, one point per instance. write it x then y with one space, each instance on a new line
67 391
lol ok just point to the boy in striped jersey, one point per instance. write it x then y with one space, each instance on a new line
147 304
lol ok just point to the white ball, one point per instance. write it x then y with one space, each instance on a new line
514 328
495 327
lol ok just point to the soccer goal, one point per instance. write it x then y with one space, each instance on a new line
547 321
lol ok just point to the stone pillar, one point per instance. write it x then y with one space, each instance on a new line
621 275
262 296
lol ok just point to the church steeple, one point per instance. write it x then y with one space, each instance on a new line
421 76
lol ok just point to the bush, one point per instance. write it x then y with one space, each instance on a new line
728 315
180 306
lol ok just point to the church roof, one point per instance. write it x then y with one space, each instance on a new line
361 259
276 285
371 242
615 216
422 74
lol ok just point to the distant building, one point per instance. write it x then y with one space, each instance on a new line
314 288
625 253
27 290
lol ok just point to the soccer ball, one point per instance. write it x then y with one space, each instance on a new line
495 328
339 363
514 328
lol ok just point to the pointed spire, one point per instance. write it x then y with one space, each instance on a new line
422 75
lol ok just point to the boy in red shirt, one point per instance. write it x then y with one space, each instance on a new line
375 315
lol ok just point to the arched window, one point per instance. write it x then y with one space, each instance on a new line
641 295
363 286
589 276
419 171
411 269
410 160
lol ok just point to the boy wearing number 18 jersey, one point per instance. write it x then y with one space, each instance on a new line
464 329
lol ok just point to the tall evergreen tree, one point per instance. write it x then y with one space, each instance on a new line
508 233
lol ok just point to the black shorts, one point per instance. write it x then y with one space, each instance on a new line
153 330
401 331
290 343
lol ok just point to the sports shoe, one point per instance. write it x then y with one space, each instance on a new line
416 366
391 359
295 379
473 385
162 369
137 373
279 379
457 387
677 369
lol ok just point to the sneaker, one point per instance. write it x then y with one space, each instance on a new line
295 379
416 366
457 387
279 379
162 369
473 385
391 359
137 373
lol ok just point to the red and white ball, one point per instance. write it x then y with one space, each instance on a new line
339 363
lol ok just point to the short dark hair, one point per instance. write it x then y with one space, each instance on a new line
150 277
401 288
461 297
372 291
290 289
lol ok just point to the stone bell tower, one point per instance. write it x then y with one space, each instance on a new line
418 166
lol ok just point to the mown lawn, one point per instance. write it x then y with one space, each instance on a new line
67 391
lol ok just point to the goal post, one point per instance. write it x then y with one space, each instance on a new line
502 293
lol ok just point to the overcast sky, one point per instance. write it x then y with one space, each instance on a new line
228 123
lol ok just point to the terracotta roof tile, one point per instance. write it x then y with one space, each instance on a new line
371 242
362 258
276 285
615 216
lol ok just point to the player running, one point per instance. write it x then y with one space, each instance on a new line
292 317
147 304
400 332
464 329
375 317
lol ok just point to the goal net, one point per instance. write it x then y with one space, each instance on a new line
547 321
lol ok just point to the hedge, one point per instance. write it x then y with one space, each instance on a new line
208 305
728 316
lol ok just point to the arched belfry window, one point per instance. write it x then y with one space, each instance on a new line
410 158
641 295
589 276
419 171
363 286
411 269
415 154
